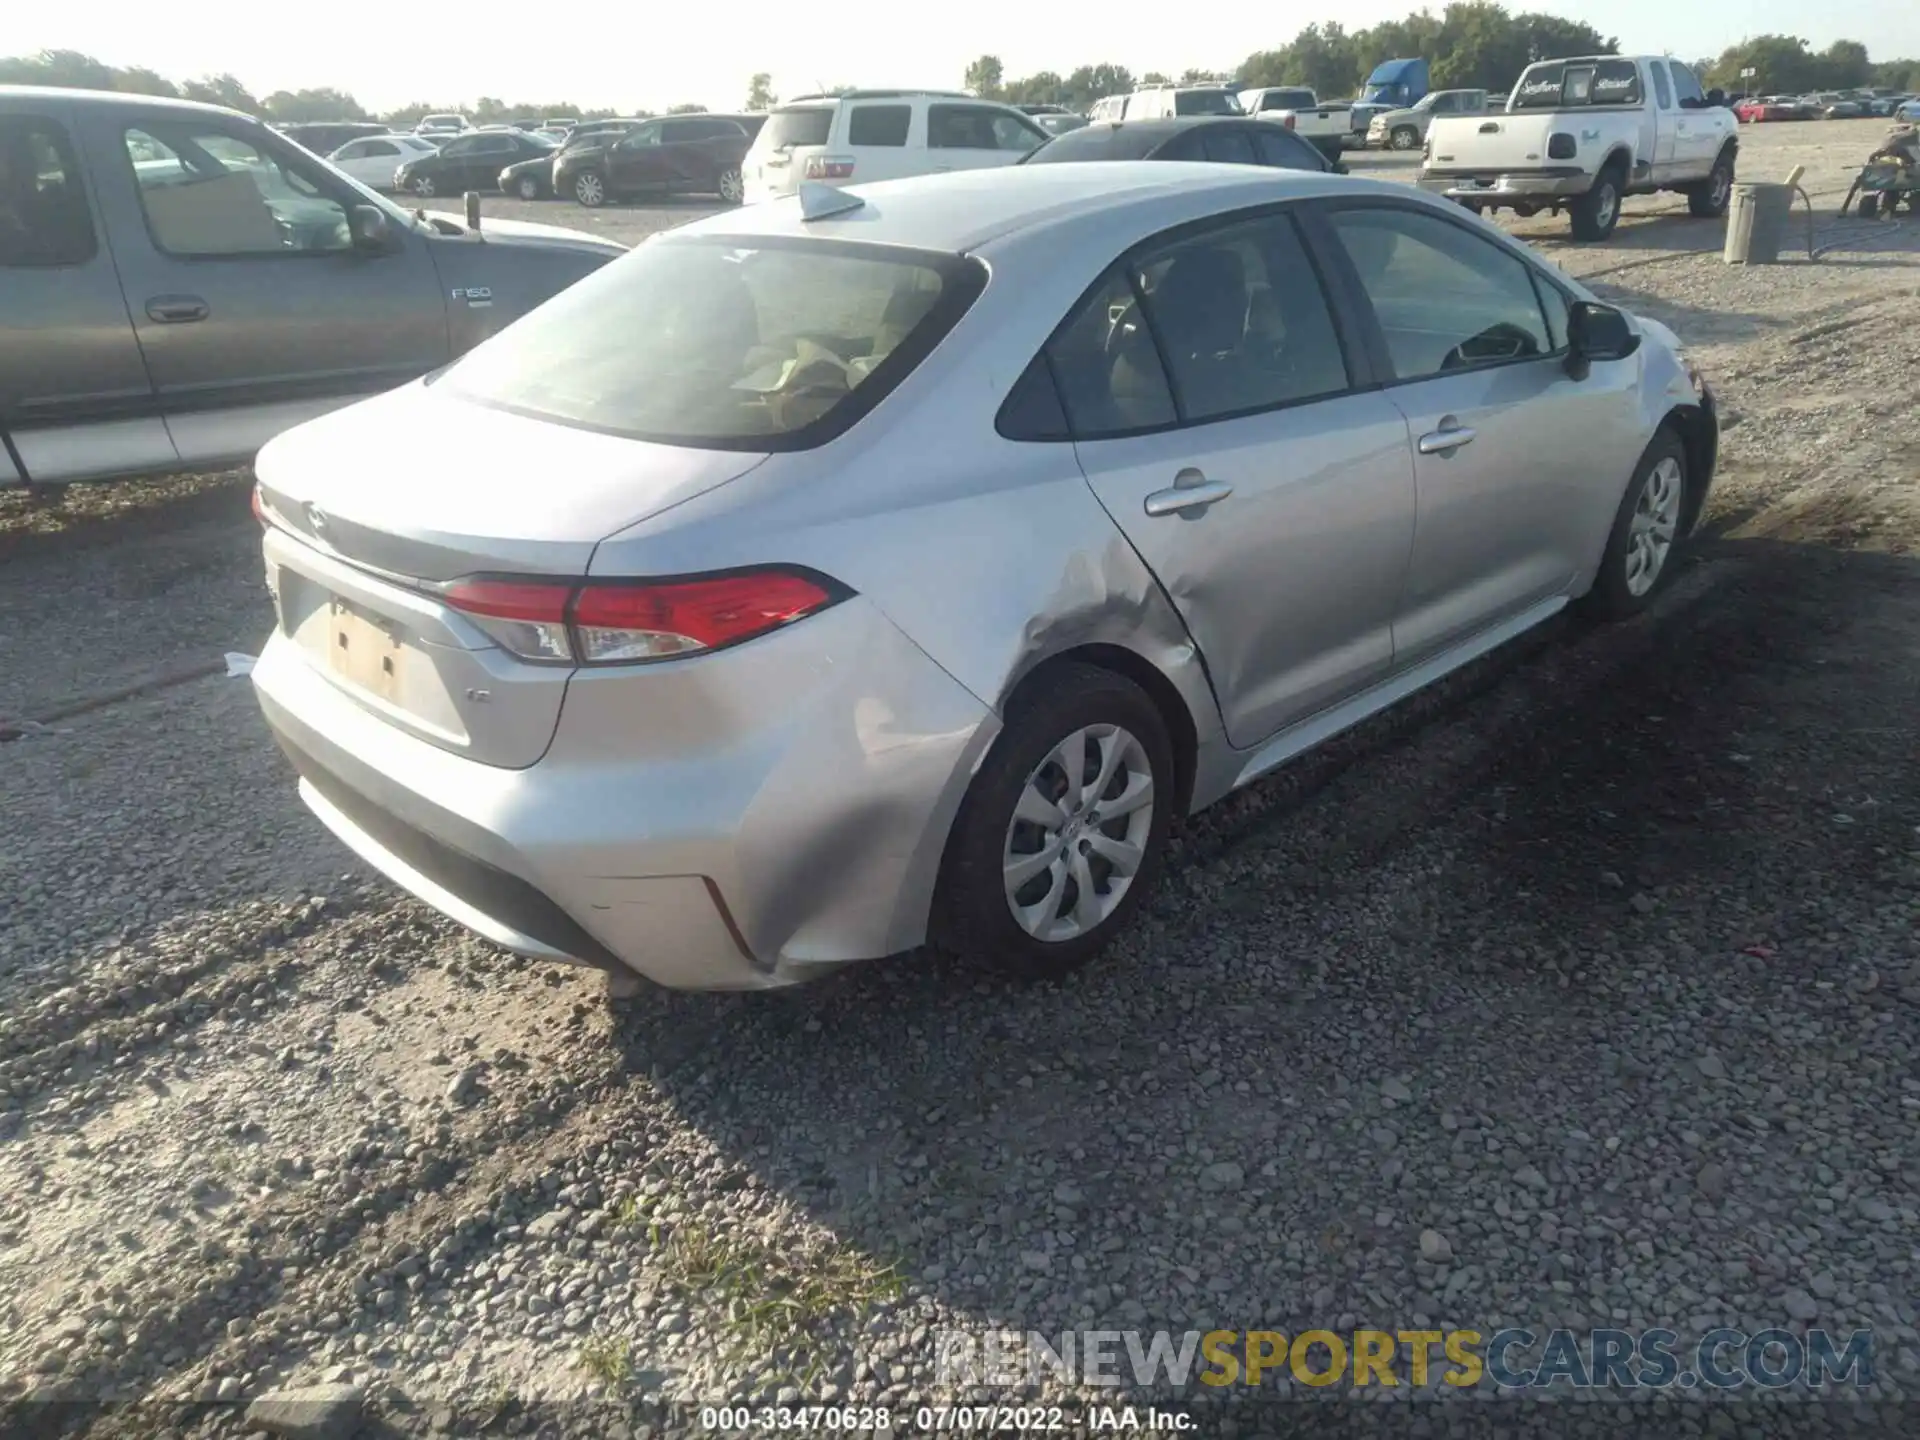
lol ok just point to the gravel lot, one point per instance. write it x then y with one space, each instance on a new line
1600 964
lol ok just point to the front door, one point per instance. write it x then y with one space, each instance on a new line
1507 444
75 402
252 304
1271 498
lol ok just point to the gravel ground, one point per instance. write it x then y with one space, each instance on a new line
1579 992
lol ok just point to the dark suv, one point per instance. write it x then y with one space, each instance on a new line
1194 137
669 155
472 161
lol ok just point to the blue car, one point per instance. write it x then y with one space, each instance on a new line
1907 110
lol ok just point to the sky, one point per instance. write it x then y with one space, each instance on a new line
626 58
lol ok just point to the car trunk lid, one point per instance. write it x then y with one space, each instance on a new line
374 509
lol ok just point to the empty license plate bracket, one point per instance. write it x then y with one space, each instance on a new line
363 650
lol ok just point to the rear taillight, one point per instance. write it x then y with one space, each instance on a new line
1287 121
827 167
629 622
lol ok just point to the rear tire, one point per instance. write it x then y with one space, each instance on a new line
1067 839
730 187
1709 199
590 190
1595 213
1647 533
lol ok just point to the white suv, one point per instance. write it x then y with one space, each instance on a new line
881 135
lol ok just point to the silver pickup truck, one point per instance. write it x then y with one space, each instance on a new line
179 283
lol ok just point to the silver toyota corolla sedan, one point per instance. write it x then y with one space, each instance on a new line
894 565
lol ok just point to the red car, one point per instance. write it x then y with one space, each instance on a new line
1752 111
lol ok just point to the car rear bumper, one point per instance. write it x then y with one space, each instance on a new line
1546 183
733 821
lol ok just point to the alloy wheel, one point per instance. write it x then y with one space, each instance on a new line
423 186
1405 138
731 187
1656 520
1606 207
529 188
589 189
1079 833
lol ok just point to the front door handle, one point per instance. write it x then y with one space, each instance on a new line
1447 439
1190 494
176 309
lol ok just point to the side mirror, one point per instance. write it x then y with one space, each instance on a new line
1597 332
372 233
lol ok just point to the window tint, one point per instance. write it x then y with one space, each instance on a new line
725 344
1686 86
980 127
878 124
1103 359
208 192
801 125
1559 83
1446 299
1662 92
371 148
44 218
1205 102
1228 144
1032 408
678 132
1286 150
1241 319
1287 100
1189 146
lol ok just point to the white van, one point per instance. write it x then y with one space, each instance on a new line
1161 102
881 135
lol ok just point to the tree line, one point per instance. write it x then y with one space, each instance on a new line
1471 44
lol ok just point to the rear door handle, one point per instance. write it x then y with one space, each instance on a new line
1447 439
1190 494
176 309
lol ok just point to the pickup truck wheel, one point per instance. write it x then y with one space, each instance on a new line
424 186
1708 200
1598 211
1404 137
1646 533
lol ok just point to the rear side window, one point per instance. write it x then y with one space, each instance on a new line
1032 409
44 219
1109 373
878 124
1662 91
750 344
980 127
1205 102
799 125
1286 150
1228 145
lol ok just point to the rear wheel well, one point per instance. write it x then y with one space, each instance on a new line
1182 737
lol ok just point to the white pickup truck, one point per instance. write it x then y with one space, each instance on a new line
1328 128
1580 135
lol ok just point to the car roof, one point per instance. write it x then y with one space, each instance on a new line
42 94
966 209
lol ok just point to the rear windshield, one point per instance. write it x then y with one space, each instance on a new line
802 125
729 344
1565 84
1205 102
1097 142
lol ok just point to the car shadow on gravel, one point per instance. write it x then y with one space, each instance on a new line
1694 324
1493 904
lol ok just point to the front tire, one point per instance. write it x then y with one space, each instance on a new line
1708 200
1595 213
1404 137
425 188
1063 832
527 187
590 190
1647 533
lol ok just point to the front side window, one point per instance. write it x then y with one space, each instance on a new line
1228 145
1686 86
725 344
454 149
44 219
380 148
979 127
1241 318
1286 150
884 125
1445 298
207 192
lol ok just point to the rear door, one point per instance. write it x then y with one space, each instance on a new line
976 137
75 399
252 305
1518 466
1287 560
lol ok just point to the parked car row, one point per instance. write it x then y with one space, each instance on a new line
1827 105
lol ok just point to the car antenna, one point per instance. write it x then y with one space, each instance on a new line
818 202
